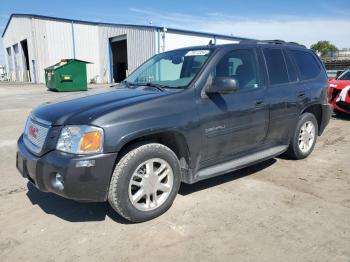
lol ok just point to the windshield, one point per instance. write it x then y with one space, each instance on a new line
345 75
173 69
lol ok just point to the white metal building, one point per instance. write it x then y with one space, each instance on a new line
34 42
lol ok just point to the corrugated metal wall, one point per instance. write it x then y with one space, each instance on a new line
222 41
54 41
50 40
59 41
174 40
87 49
141 45
19 30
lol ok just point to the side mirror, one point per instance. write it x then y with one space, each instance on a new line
223 85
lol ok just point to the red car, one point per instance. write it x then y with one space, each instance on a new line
339 92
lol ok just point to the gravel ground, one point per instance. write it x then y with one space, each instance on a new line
280 210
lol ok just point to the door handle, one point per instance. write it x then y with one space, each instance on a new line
301 95
259 103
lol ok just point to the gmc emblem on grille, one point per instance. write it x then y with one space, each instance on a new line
33 131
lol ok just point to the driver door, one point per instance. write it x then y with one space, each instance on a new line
233 123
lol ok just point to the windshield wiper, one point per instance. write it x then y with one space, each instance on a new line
127 84
158 86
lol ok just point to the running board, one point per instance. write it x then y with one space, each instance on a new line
239 163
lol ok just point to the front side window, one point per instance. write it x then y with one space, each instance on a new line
173 69
345 75
241 65
276 66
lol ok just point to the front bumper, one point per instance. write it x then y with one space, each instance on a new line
80 183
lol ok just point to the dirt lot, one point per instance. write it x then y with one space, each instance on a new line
280 210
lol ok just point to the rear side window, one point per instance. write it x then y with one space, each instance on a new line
308 66
276 66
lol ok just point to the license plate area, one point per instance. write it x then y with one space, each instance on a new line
21 165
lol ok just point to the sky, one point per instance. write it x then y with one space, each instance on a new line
301 21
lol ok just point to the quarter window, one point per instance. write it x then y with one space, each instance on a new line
276 66
308 66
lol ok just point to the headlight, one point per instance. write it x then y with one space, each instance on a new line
81 140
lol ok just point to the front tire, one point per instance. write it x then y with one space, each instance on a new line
304 138
145 182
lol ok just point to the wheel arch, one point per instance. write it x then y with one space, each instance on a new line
173 139
316 110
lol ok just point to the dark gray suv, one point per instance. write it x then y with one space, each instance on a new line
183 116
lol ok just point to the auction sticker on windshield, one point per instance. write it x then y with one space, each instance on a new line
197 52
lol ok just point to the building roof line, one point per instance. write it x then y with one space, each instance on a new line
117 24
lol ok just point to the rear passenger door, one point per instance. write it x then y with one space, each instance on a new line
283 94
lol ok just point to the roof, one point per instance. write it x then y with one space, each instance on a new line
116 24
272 42
249 42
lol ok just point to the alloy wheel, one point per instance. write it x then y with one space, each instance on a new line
151 184
306 137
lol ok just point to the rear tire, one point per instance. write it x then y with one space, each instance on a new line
145 182
304 139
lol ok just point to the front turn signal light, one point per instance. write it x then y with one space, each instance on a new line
91 142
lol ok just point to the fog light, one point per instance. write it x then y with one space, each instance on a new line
58 182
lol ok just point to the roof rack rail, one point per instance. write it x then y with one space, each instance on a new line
276 42
281 42
297 44
249 41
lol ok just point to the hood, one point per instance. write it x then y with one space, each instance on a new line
82 108
339 84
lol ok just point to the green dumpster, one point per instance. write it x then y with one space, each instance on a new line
67 75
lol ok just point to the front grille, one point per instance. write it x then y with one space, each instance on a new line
35 134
